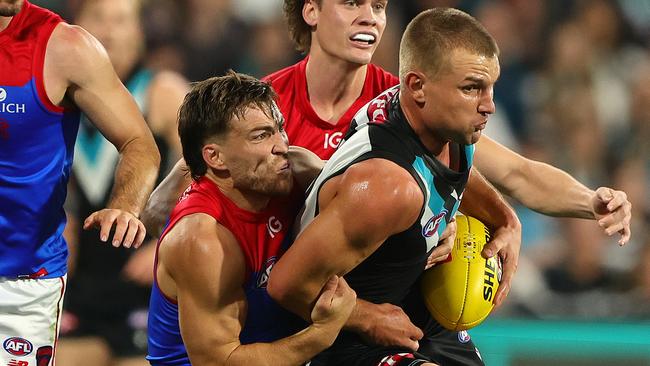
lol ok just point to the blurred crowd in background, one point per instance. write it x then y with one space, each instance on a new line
574 92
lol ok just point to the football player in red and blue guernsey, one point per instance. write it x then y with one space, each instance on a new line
49 72
209 304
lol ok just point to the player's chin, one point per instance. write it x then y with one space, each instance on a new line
11 9
361 57
282 186
475 136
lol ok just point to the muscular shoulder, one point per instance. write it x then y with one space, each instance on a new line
74 53
196 247
382 193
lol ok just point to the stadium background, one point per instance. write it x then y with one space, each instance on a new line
574 92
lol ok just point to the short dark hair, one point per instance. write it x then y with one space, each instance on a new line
299 30
209 108
433 34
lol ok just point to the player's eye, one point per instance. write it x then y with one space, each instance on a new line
470 88
261 136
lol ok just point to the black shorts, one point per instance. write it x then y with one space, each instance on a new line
439 345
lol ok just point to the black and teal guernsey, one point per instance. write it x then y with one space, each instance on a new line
381 131
389 272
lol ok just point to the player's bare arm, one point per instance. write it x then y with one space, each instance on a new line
358 210
202 267
77 68
532 183
305 165
164 197
483 202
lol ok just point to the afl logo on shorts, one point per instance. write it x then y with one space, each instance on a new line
432 225
17 346
3 95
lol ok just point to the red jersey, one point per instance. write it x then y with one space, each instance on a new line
302 124
262 237
260 234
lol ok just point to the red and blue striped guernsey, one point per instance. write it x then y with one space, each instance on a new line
262 237
36 147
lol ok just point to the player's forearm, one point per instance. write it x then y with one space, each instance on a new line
164 197
293 350
483 202
305 165
359 320
135 174
551 191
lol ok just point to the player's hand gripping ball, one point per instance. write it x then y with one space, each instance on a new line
460 292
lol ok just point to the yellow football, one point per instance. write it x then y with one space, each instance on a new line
460 292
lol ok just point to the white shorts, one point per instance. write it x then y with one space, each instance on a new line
30 313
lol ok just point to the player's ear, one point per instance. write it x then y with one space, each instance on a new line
214 157
414 84
310 12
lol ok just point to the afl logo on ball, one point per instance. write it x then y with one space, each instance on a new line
432 225
17 346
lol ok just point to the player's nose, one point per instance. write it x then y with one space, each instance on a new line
280 145
486 104
367 16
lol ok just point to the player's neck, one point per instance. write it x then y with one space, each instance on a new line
4 22
436 144
333 85
248 201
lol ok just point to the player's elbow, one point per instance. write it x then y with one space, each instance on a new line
278 289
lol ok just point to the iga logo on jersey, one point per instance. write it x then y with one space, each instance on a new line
432 225
332 140
274 226
17 346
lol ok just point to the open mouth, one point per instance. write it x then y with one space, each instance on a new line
364 38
